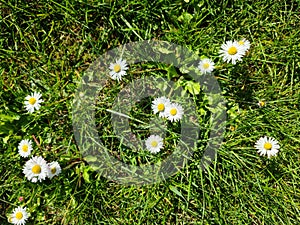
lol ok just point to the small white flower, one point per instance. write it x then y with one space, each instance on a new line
19 216
154 143
36 169
25 148
206 66
232 51
174 112
54 169
118 69
244 44
267 146
261 103
159 105
33 102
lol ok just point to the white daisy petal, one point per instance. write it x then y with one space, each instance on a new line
54 169
244 44
231 51
118 69
159 105
154 143
33 102
25 148
174 112
267 146
206 66
36 169
19 216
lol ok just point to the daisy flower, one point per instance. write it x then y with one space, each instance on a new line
159 105
154 143
25 148
206 66
19 216
54 169
261 103
232 51
174 112
36 169
267 146
244 44
33 102
118 69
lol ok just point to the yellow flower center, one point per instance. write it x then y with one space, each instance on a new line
232 128
53 170
173 112
154 144
36 169
32 101
160 107
262 103
25 148
268 146
241 42
232 50
117 68
205 65
19 215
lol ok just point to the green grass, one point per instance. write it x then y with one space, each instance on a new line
47 45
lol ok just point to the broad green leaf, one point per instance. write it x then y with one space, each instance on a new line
171 72
185 17
193 87
86 175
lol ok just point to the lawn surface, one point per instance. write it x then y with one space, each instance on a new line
47 45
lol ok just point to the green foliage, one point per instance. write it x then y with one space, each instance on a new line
7 127
47 45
